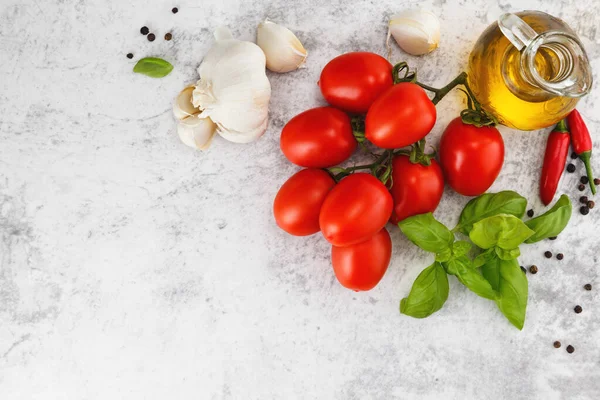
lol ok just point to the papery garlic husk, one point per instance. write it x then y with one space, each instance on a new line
183 107
233 90
417 32
196 132
283 50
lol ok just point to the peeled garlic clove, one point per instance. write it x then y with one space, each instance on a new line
417 32
196 132
282 48
245 137
183 107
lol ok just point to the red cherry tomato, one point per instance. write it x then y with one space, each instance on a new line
299 200
471 157
353 81
361 266
416 188
318 138
401 116
355 209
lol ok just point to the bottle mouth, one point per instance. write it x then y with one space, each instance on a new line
567 73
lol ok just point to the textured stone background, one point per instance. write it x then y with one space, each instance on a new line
132 267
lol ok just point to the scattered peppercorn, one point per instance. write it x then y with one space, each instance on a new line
584 210
533 269
574 155
175 10
596 181
523 269
581 187
587 286
591 204
557 344
570 349
570 168
560 256
584 180
151 37
130 55
578 309
583 199
530 213
553 237
168 36
144 30
548 254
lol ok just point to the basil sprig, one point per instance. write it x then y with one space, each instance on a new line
495 229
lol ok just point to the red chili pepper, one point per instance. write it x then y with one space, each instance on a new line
557 149
582 143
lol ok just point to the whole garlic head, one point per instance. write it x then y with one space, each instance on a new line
233 90
283 50
417 32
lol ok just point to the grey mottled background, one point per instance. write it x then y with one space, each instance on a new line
132 267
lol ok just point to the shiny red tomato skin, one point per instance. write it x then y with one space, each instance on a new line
401 116
318 138
361 266
353 81
355 209
471 157
416 188
298 202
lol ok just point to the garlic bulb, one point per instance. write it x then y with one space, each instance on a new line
417 32
183 107
196 132
233 89
282 48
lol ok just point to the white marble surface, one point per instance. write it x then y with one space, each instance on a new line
132 267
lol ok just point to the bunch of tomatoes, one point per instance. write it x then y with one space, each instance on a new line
368 102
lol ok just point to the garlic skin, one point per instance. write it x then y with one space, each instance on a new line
283 50
233 90
417 32
183 107
196 132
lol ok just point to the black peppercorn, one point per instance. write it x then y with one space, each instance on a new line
591 204
533 269
573 155
584 180
587 286
583 199
130 55
151 37
530 213
570 168
557 344
175 10
584 210
570 349
523 269
168 36
596 181
578 309
581 187
548 254
560 256
553 237
144 30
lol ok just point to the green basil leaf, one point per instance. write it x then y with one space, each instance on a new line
153 67
507 254
483 258
427 233
489 204
444 255
552 222
461 248
428 293
470 277
505 231
513 291
491 270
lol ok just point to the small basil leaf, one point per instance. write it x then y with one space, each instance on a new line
483 258
427 233
460 248
491 270
444 255
513 292
552 222
470 277
153 67
428 293
505 231
488 204
507 254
